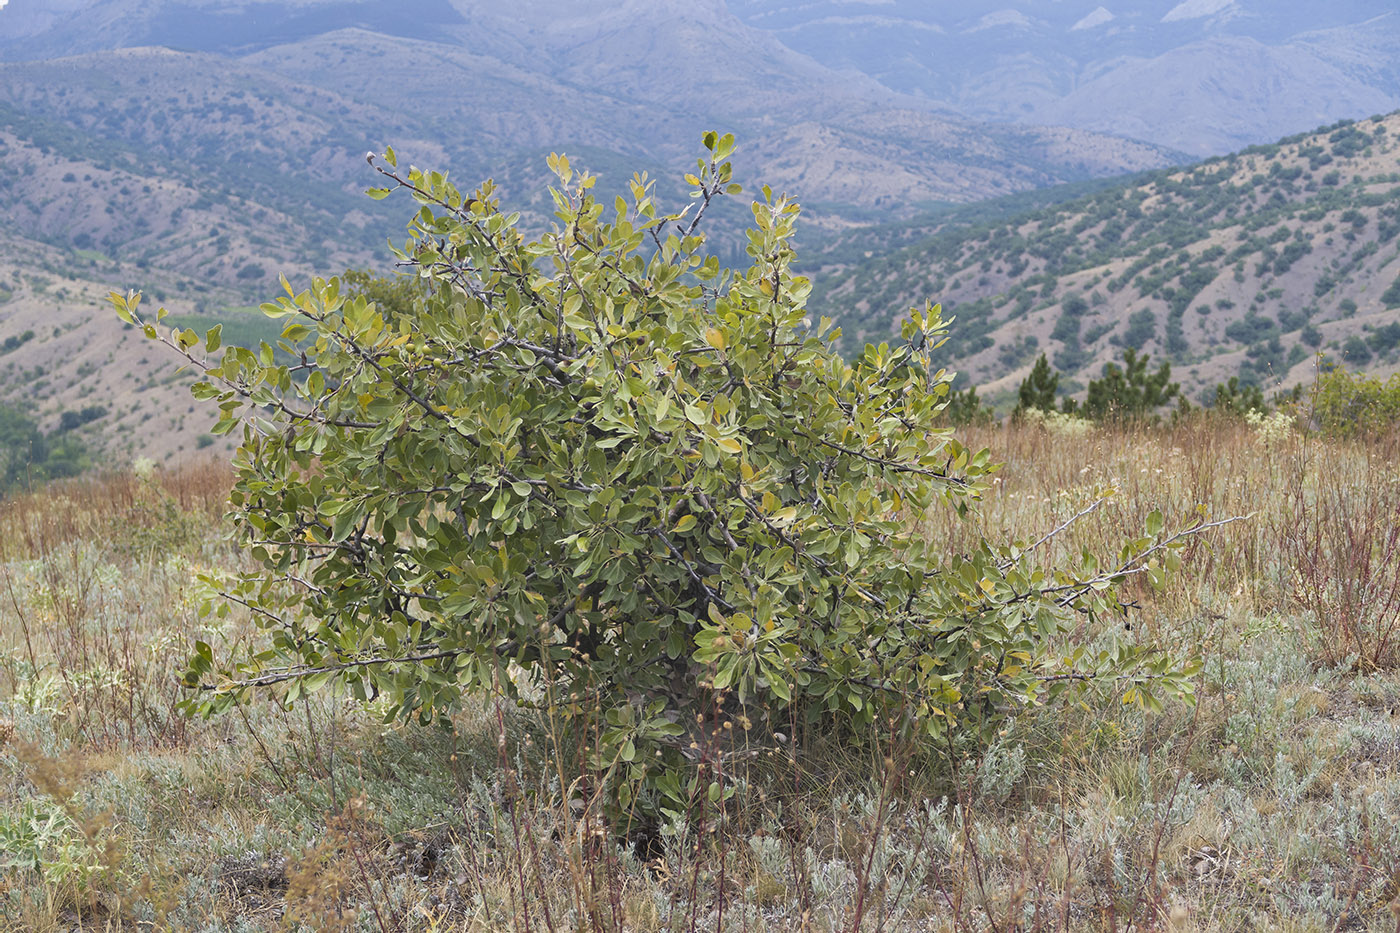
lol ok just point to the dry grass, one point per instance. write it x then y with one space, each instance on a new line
1273 804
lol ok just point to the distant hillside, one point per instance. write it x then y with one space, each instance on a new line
1201 76
152 157
1243 265
62 350
273 93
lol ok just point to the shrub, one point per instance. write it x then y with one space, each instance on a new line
1272 429
1015 352
15 341
1391 296
1341 541
1251 328
1058 422
1347 403
625 480
1066 328
1384 338
1355 351
71 420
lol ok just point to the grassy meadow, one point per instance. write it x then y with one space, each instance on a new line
1271 804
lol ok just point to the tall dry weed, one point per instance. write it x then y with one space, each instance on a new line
1338 536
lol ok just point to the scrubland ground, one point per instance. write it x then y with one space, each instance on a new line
1272 804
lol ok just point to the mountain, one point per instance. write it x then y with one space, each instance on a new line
489 89
1245 266
147 156
1200 76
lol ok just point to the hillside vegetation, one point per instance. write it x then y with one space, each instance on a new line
1246 266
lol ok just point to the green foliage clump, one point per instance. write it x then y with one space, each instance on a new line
72 420
1234 398
1384 338
1353 404
15 341
1391 296
1355 351
597 470
28 455
1013 353
1066 330
1252 328
1142 327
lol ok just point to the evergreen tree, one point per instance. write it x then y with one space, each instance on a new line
1232 398
1128 392
1038 390
965 407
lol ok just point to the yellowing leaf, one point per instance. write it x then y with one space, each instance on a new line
686 523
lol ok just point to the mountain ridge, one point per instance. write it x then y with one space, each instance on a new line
1130 66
